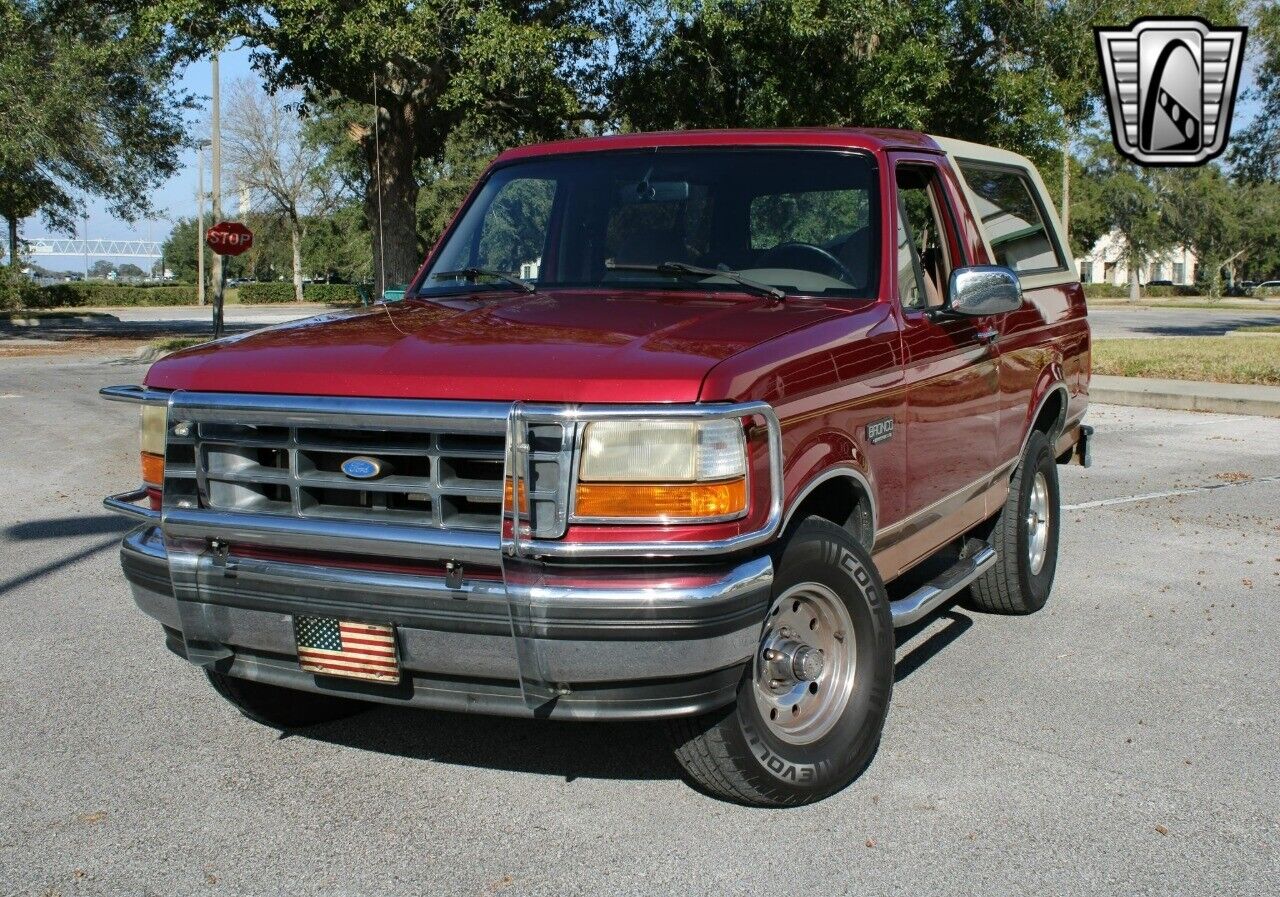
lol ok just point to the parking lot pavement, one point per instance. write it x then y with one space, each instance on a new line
1109 322
1122 741
148 322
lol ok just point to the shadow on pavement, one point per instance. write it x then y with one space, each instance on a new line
623 751
67 527
1216 327
957 625
112 330
62 528
53 566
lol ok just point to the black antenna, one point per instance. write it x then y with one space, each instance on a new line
377 169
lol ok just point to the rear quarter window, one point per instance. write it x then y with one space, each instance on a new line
1013 218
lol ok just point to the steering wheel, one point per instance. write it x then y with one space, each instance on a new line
778 255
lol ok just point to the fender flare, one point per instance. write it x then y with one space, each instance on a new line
1057 385
844 470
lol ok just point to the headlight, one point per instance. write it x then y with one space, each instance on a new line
662 470
154 422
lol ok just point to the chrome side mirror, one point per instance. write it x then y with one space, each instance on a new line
981 290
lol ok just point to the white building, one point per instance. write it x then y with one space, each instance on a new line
1106 263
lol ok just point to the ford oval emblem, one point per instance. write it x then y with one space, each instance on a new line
362 468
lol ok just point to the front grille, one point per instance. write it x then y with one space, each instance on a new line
441 476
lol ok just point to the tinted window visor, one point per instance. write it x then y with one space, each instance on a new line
801 221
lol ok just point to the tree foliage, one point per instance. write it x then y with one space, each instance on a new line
1255 152
87 106
334 247
522 67
274 164
1129 199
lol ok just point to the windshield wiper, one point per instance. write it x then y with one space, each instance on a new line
474 274
683 269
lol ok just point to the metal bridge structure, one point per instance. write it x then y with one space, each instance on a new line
143 249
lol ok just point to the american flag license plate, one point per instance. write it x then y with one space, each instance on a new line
335 647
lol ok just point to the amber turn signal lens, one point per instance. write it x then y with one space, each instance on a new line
644 501
524 497
152 469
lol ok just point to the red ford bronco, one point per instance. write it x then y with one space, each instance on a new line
646 438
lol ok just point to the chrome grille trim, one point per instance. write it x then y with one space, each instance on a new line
337 536
183 518
279 456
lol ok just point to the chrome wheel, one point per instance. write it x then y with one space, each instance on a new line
1038 522
805 668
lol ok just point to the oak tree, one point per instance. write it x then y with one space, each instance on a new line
87 107
415 71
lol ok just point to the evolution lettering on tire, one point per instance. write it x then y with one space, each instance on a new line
813 702
784 769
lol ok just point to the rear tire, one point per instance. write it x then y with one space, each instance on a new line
1025 537
282 708
802 727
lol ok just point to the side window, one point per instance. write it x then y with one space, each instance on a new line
924 256
1013 219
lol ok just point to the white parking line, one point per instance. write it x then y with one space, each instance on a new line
1146 496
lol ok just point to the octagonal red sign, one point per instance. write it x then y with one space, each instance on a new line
229 238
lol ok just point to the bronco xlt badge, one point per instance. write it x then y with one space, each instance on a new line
1171 85
880 431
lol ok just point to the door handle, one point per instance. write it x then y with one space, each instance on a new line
988 336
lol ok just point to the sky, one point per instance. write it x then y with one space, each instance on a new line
177 198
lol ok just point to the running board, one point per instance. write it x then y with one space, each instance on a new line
928 597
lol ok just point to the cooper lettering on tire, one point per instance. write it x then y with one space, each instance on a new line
814 698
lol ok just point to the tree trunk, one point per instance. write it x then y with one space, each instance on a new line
1134 292
295 234
391 198
1066 194
13 242
1215 281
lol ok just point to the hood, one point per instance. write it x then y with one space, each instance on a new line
564 346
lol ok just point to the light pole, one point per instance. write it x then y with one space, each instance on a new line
200 147
219 270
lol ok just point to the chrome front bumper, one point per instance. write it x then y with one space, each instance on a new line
653 641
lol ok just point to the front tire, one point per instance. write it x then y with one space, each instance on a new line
812 703
279 707
1025 537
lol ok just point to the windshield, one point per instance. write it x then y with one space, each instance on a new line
798 220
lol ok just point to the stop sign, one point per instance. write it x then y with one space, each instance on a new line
229 238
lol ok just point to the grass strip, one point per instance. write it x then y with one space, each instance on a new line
1217 359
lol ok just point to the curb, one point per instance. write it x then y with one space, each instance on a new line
1187 395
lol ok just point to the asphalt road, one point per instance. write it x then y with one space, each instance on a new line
1107 322
1111 322
1123 741
147 323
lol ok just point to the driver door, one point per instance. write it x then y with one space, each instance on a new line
951 368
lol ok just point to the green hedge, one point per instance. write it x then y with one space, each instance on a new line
1121 291
15 290
264 293
77 294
